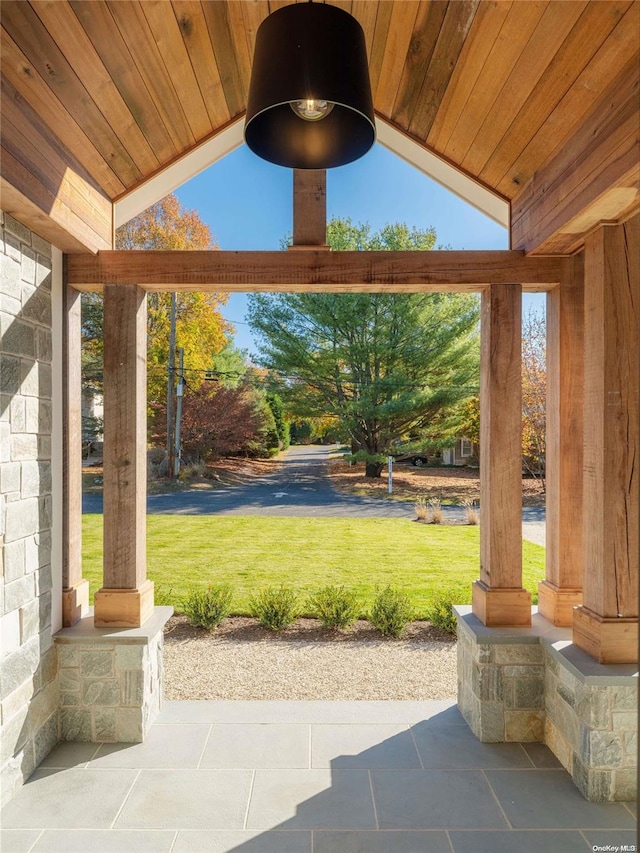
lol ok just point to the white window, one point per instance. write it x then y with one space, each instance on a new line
466 447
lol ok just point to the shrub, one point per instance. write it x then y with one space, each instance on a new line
192 469
156 470
335 606
439 611
391 612
208 607
275 607
165 597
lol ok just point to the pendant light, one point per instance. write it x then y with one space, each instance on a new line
309 104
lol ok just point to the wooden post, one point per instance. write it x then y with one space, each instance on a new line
309 209
498 597
75 590
126 598
561 590
606 626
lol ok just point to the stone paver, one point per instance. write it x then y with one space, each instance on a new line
296 777
254 746
364 747
556 798
435 799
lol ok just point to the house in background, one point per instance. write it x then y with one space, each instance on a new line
463 452
528 110
92 413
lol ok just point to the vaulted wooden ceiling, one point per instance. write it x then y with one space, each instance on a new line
99 96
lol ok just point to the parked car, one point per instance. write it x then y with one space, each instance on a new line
416 459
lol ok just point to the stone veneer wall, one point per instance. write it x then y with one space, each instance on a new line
521 684
28 661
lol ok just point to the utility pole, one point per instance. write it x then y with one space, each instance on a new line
180 392
171 388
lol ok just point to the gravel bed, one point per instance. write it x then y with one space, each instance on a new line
241 660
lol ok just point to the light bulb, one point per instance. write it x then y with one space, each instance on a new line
311 109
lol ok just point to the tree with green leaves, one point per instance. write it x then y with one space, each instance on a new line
385 364
282 424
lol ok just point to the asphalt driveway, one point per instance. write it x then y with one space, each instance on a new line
298 488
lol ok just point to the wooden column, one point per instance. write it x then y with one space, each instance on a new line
561 590
309 209
75 590
606 626
498 597
126 599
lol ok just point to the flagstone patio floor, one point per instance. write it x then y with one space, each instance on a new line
308 777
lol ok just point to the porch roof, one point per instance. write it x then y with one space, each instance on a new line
536 103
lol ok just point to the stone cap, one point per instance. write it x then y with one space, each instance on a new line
540 627
588 670
85 631
559 643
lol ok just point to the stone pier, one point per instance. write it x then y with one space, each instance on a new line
110 679
534 684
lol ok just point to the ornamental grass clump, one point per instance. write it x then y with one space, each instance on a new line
391 612
275 607
471 511
207 608
420 510
335 606
435 512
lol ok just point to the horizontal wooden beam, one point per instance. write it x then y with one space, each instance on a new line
44 187
592 178
320 270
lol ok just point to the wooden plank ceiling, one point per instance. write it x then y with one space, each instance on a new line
125 88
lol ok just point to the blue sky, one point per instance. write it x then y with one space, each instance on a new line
247 203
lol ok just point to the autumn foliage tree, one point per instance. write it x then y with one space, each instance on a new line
534 393
200 328
225 421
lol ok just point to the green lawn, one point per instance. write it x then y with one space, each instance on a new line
307 553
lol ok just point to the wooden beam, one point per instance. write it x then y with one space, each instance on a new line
498 597
594 177
312 270
75 590
607 625
309 208
44 186
126 598
561 590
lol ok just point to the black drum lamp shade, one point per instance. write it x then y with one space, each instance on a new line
310 104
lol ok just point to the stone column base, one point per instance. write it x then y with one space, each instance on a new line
534 684
556 604
110 679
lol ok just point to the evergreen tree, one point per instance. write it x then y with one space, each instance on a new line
386 364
